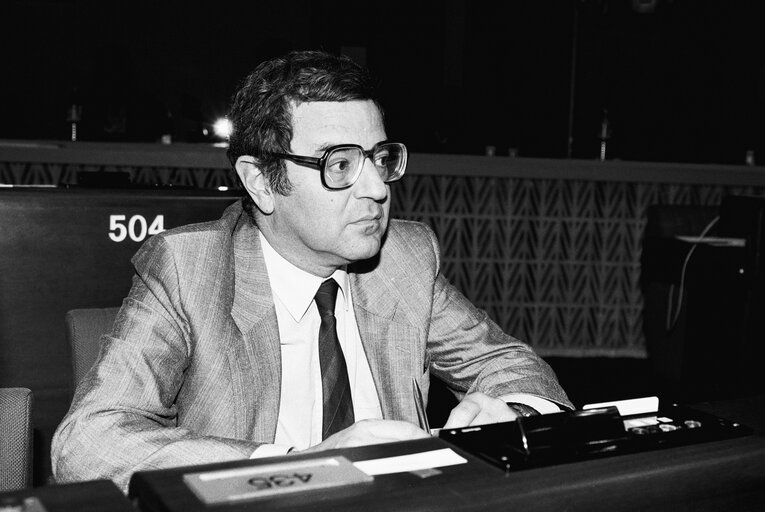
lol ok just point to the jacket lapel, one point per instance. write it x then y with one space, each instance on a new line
390 343
258 357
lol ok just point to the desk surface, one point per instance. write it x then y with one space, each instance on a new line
721 475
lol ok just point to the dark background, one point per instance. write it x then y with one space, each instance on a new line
683 82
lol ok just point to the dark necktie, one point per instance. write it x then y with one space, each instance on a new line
338 405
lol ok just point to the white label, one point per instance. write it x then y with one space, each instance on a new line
137 228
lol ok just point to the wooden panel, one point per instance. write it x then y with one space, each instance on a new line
56 254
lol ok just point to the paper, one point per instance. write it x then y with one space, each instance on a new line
714 240
411 462
634 406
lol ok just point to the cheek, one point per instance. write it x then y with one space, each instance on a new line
324 218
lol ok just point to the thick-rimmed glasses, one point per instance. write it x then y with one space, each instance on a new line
341 165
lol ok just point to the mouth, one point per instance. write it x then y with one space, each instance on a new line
362 220
371 217
370 224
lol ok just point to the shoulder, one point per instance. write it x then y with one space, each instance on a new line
224 226
411 246
412 231
413 226
411 235
192 241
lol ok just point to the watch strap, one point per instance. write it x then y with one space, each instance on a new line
522 410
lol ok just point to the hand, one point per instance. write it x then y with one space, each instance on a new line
366 432
479 409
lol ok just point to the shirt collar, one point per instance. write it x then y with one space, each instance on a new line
295 287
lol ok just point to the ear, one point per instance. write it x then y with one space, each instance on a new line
255 183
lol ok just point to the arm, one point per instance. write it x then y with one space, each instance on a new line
124 416
472 354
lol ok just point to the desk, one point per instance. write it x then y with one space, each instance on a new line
93 496
722 475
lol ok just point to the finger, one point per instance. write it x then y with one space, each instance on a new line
490 410
395 430
494 413
463 414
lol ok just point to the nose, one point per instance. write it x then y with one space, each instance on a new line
370 184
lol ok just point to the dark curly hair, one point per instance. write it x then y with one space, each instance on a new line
261 108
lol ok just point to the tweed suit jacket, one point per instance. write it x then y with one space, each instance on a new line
191 373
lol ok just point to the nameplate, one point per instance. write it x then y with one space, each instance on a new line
255 482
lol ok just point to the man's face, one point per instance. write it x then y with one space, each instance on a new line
317 229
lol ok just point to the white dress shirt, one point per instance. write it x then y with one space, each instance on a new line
301 406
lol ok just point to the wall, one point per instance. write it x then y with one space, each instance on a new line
550 248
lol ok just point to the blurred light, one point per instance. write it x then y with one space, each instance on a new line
223 128
223 188
644 6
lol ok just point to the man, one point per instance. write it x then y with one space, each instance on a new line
302 319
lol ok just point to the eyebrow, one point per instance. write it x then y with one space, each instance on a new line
324 147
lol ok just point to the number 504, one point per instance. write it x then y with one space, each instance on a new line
137 227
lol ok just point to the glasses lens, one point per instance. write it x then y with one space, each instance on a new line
390 160
342 166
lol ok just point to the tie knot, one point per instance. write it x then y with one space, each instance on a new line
326 296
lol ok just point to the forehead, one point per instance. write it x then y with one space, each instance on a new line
321 123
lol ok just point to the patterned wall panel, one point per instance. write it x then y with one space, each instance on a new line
556 262
30 173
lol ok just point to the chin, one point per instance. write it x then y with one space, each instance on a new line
365 249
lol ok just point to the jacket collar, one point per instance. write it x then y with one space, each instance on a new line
253 299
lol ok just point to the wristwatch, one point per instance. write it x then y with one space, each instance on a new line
522 410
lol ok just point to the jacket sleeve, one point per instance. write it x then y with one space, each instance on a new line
470 352
124 417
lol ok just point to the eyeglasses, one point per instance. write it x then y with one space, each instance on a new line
341 165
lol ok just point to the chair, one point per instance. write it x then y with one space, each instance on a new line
84 328
15 438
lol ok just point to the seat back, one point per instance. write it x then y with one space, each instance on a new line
15 438
84 328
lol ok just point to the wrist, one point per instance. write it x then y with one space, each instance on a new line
522 410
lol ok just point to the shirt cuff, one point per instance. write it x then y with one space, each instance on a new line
541 405
271 450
